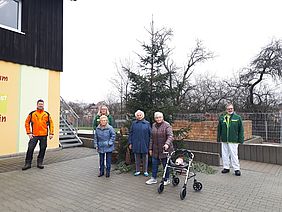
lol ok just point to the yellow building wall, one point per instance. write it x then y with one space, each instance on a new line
54 105
18 97
9 107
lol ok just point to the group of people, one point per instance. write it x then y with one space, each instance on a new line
143 140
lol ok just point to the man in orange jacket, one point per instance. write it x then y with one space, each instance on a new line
40 121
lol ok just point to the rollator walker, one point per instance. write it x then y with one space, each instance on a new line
180 162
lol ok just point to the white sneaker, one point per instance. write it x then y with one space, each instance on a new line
151 181
167 182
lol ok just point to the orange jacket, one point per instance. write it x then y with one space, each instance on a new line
39 122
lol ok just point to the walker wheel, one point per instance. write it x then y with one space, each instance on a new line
183 193
175 181
161 187
197 186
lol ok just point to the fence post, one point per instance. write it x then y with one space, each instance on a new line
266 133
280 115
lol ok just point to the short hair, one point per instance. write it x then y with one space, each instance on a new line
228 104
104 117
139 111
40 100
157 114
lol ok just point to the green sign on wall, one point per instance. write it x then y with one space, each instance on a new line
3 103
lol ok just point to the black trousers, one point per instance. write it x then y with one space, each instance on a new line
31 146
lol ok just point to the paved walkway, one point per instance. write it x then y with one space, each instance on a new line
69 182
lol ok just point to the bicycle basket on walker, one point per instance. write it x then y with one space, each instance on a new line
180 158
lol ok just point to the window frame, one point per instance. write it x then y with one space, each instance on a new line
19 20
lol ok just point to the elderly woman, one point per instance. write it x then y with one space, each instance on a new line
139 139
103 110
162 138
104 141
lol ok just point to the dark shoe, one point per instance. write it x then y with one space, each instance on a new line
224 171
237 173
101 174
40 166
108 174
26 166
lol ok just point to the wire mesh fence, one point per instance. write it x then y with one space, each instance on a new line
266 125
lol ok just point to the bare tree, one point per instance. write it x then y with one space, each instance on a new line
122 82
179 83
267 63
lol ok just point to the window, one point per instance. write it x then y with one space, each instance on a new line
10 14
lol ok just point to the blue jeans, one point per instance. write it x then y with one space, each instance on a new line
108 162
155 164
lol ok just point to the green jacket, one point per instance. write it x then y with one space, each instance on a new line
230 130
96 121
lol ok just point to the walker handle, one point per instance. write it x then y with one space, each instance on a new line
165 151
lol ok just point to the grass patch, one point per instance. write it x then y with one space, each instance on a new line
122 167
204 168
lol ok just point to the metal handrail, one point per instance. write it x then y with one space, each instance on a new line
69 107
66 107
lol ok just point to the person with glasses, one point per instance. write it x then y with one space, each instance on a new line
230 132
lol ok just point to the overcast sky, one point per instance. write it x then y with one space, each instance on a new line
97 34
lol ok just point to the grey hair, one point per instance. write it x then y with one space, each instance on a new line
229 104
104 117
139 111
156 114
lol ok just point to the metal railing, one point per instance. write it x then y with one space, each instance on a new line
68 114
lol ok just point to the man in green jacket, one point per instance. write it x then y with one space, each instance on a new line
230 132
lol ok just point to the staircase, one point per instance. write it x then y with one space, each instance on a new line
68 126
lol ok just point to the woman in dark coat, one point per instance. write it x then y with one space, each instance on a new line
162 138
139 140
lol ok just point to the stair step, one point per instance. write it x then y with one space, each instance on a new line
65 128
65 125
69 140
67 133
70 145
67 136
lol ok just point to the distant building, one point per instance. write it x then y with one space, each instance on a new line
31 59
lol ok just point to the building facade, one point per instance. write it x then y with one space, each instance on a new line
31 60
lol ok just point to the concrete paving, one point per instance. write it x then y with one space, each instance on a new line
69 182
